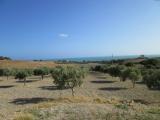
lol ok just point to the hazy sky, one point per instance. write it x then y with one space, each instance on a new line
75 28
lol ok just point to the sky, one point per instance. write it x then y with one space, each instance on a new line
46 29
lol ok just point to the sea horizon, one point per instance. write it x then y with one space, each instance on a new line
101 58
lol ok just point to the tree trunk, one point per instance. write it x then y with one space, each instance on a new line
24 81
42 77
7 77
60 95
72 92
133 82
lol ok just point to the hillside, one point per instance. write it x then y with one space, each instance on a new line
25 64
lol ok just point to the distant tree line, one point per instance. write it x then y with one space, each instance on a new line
5 58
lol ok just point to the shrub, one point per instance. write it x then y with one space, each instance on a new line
152 80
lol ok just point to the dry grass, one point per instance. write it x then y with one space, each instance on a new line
23 116
78 99
25 64
91 108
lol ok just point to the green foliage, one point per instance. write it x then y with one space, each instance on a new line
41 71
1 72
151 63
68 77
21 74
114 71
131 73
29 71
129 64
6 72
122 106
152 79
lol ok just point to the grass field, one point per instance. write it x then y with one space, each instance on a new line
100 97
25 64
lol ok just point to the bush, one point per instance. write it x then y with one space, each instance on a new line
152 80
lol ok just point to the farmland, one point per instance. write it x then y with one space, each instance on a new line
101 96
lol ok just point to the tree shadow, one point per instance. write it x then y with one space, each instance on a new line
35 78
141 101
102 81
23 101
27 81
48 87
6 86
157 88
51 88
112 88
101 77
140 82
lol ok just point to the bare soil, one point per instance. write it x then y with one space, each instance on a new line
14 96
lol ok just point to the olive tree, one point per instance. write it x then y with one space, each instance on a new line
68 77
114 71
132 74
41 72
152 79
1 72
75 76
8 72
21 75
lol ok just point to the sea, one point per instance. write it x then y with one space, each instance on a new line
103 58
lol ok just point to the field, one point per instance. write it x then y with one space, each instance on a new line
25 64
100 97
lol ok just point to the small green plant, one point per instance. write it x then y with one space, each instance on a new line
122 106
154 111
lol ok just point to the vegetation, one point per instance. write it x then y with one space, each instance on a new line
152 79
131 73
21 75
4 58
68 77
41 72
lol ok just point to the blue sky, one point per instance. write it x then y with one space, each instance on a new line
41 29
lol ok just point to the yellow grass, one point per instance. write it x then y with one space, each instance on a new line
25 64
77 99
23 116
